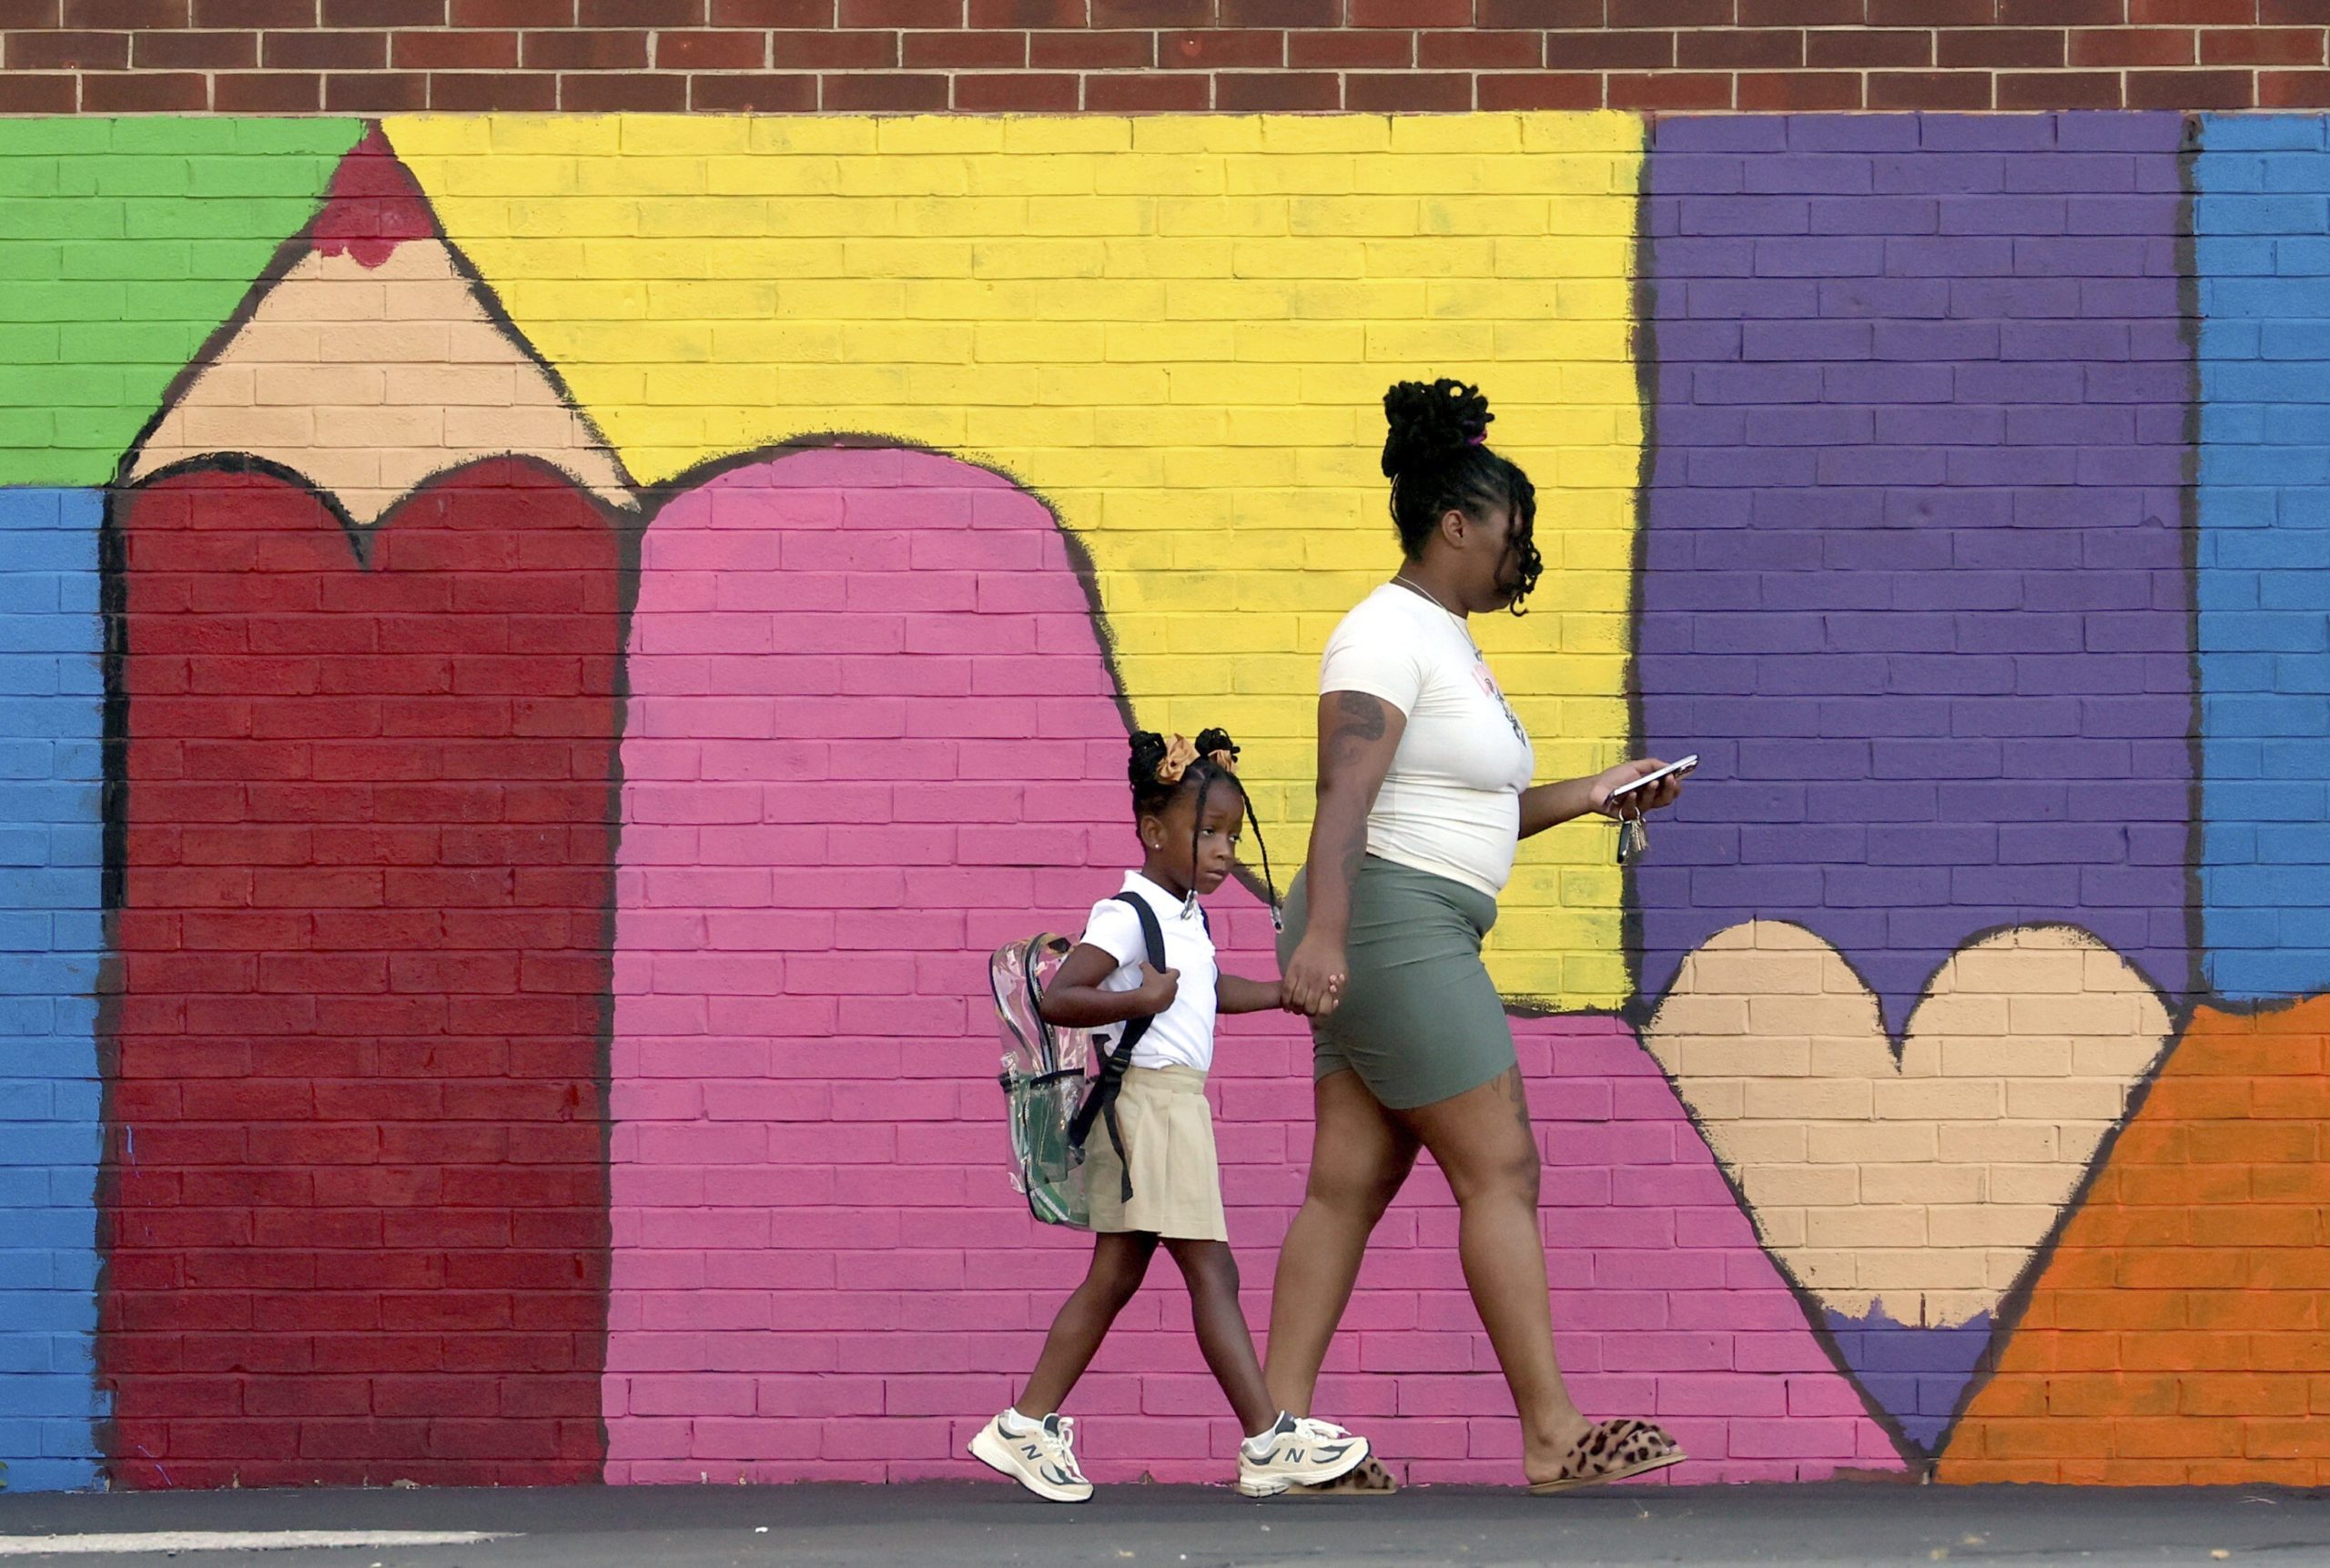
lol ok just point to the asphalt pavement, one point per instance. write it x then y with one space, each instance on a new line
940 1525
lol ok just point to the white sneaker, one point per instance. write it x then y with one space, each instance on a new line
1039 1455
1298 1451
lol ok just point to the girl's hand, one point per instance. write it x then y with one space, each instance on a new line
1157 989
1662 793
1315 976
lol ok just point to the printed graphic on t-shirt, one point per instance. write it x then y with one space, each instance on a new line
1488 684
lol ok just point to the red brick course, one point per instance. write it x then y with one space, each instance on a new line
1156 55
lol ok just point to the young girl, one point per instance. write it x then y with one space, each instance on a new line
1188 805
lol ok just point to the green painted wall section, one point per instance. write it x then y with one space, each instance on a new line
123 244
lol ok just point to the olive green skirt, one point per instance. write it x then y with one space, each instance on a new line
1421 1020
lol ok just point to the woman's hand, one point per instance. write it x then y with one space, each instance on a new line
1315 979
1548 805
1651 798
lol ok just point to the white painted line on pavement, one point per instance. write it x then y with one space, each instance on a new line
238 1540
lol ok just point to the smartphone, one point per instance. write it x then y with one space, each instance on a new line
1672 770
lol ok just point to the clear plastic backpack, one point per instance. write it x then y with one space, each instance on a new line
1051 1093
1045 1071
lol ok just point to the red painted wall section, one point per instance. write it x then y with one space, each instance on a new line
356 1210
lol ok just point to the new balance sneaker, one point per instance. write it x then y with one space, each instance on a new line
1039 1455
1298 1451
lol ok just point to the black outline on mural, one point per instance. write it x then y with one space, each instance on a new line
630 526
1642 344
2188 524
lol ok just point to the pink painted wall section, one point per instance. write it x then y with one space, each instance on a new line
872 734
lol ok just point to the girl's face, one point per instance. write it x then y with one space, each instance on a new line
1184 853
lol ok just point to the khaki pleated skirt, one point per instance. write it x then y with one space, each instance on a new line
1167 1129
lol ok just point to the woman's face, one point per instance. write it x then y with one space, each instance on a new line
1488 554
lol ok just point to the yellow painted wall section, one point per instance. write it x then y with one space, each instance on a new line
1177 330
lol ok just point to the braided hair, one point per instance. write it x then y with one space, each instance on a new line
1151 793
1438 460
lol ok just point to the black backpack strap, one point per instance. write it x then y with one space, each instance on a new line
1101 1100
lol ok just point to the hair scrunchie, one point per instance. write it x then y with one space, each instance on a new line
1178 754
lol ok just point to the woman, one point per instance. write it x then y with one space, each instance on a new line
1424 794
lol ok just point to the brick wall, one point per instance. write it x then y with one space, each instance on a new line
1921 397
51 860
381 57
2261 241
2176 1335
508 1082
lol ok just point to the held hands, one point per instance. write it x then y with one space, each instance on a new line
1156 991
1314 977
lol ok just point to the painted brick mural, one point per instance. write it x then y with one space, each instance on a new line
541 655
52 863
2260 221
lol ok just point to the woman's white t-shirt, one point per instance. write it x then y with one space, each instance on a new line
1182 1034
1450 804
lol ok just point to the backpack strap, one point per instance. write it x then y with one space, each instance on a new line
1101 1100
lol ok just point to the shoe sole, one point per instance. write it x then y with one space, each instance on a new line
1317 1475
1548 1488
988 1449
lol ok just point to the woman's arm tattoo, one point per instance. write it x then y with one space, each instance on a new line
1359 722
1359 719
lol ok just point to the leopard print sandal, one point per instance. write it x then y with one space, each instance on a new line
1369 1479
1613 1451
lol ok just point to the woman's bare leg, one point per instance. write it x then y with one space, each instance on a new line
1487 1147
1359 1157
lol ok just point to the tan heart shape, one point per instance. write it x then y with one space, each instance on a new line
1922 1186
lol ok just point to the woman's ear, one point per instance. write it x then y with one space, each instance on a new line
1453 524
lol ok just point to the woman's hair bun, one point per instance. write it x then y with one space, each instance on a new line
1430 421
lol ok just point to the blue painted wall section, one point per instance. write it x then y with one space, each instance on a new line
51 859
2262 228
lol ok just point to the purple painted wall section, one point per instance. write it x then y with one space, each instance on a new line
1915 585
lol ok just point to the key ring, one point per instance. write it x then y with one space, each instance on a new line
1634 838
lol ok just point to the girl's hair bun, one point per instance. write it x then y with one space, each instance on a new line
1431 422
1216 740
1148 750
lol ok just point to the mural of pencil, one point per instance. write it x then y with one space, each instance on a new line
356 1204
